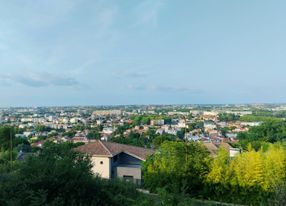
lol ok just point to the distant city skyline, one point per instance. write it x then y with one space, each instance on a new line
125 52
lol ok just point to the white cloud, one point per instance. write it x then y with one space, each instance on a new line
39 79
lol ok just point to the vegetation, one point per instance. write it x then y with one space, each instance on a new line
177 167
147 139
133 138
196 125
226 117
176 173
10 145
254 118
263 115
94 134
186 170
249 178
59 176
146 119
270 131
158 140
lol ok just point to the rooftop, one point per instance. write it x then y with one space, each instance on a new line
110 149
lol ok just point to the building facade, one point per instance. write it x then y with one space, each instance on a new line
113 160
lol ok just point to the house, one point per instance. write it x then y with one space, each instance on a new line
194 138
231 151
113 160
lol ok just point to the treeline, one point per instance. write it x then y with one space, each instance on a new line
227 117
253 178
264 115
269 131
254 118
56 175
186 170
268 113
148 140
138 120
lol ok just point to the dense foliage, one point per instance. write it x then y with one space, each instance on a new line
254 118
226 117
249 178
146 119
11 145
133 138
269 131
177 166
252 178
59 176
158 140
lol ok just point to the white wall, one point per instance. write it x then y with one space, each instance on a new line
103 169
233 152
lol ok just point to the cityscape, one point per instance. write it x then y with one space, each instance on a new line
214 124
121 140
142 103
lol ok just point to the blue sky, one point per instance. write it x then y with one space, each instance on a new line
91 52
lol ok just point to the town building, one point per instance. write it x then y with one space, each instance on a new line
113 160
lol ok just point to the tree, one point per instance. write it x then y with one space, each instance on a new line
93 134
177 166
42 128
226 117
7 135
250 178
218 169
270 131
158 140
60 176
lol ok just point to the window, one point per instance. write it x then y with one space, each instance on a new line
101 162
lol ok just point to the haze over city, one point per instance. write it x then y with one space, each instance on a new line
89 52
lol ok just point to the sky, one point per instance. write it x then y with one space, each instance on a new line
114 52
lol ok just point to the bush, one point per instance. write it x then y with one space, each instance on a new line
59 176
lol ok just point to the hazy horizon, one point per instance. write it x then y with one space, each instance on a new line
86 52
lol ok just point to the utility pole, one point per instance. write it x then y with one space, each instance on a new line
186 140
11 146
185 135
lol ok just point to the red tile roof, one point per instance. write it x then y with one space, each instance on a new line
110 149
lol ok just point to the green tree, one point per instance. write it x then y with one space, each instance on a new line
158 140
226 117
250 178
270 131
59 176
177 166
7 136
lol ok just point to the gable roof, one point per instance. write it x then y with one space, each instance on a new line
110 149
